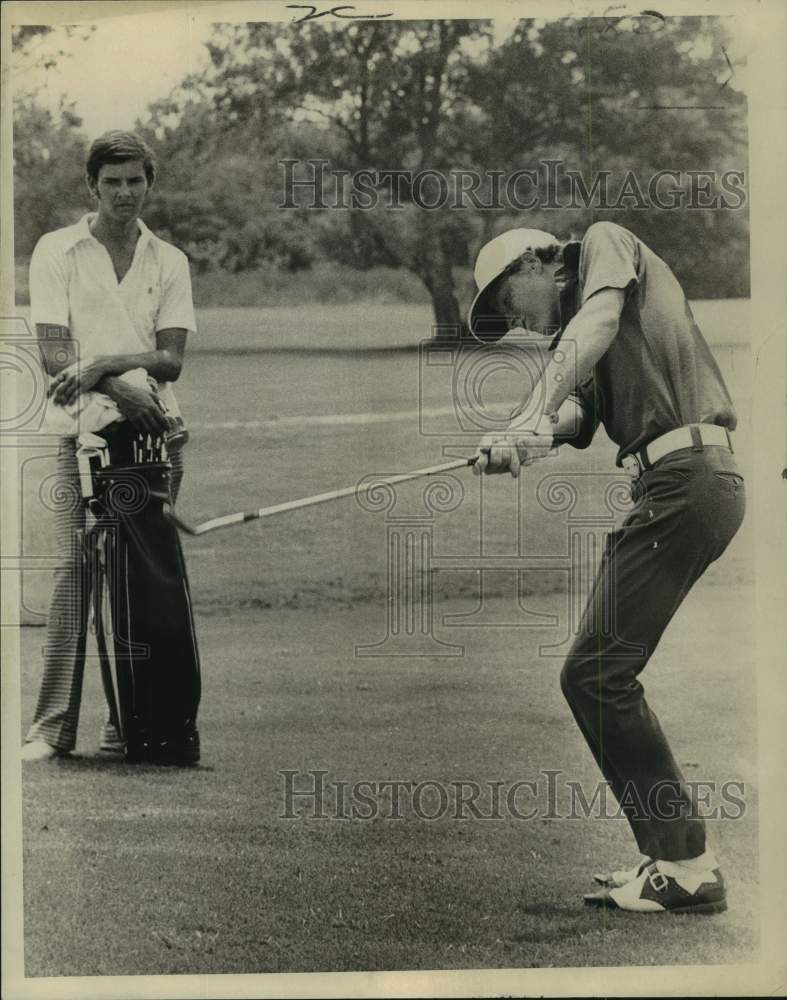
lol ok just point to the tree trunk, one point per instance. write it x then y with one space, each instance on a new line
448 322
433 266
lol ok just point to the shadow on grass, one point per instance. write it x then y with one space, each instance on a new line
105 762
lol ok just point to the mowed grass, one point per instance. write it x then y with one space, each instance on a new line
146 870
248 451
252 445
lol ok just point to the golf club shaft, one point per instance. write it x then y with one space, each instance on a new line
241 517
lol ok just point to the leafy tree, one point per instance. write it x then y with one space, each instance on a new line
49 171
214 186
642 94
638 94
375 95
49 146
441 95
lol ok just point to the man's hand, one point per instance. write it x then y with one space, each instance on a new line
140 407
75 379
496 454
520 445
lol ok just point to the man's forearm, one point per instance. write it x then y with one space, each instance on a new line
58 350
590 332
159 364
575 425
110 386
114 387
561 377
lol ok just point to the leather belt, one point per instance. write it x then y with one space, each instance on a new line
694 436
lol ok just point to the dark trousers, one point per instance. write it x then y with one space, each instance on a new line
688 508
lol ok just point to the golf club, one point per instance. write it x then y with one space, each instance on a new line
227 520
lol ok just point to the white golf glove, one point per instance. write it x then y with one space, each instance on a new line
521 444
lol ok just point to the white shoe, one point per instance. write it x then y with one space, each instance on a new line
613 880
655 891
39 750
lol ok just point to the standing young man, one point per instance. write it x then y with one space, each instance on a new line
107 297
641 367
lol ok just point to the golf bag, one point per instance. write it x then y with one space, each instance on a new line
136 569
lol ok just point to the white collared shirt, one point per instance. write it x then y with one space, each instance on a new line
73 284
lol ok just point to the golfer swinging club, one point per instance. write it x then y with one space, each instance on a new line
643 369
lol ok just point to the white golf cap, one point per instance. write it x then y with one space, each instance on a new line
493 258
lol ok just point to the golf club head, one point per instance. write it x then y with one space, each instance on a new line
176 438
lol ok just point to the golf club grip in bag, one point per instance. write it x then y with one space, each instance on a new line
157 669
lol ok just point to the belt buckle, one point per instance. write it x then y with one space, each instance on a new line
632 466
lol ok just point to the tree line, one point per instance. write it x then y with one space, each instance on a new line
645 105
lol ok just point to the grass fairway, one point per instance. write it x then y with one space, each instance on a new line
152 870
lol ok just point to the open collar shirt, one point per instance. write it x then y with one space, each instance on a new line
73 284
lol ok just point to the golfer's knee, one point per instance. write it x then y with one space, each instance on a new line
605 687
584 677
570 682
